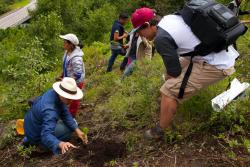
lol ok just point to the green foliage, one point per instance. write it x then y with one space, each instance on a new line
31 62
25 152
6 5
8 135
98 23
112 163
135 164
3 7
88 19
246 143
29 57
130 102
165 7
132 138
47 29
85 130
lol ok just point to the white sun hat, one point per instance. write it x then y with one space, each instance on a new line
68 89
70 37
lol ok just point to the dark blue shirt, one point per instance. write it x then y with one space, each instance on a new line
40 121
117 26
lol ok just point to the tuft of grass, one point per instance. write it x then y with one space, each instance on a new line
19 4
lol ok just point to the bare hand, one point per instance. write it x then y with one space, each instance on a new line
125 35
82 136
64 146
125 46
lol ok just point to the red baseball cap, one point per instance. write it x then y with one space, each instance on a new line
141 16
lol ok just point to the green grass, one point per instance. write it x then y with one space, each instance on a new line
19 4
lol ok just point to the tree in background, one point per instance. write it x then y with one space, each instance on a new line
3 7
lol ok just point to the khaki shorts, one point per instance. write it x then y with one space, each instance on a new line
202 76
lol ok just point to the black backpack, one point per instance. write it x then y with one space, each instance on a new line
214 24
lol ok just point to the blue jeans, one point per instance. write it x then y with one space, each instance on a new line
115 53
62 132
128 71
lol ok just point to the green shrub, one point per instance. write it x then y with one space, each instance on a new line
47 29
99 23
3 7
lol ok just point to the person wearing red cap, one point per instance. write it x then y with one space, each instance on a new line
173 38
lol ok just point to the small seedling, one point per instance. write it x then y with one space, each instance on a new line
85 130
25 152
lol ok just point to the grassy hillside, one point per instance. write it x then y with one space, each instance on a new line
115 112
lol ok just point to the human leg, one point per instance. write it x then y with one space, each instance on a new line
112 59
202 76
75 104
62 132
124 63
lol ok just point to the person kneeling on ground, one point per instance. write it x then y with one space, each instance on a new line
49 123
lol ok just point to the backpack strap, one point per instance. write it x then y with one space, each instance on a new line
188 72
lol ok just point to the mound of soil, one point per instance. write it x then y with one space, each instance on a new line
96 153
99 151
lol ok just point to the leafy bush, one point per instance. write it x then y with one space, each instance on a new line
3 7
8 135
47 29
99 22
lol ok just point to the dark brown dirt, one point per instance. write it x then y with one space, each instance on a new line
98 152
95 154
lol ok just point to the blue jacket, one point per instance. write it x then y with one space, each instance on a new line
40 121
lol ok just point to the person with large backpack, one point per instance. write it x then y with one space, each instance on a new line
196 47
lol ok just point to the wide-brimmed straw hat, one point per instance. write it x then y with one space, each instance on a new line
68 89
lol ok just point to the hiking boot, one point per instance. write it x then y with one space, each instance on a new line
154 133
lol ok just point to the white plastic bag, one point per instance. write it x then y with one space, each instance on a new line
236 88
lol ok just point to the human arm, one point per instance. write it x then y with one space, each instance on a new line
48 138
167 48
117 37
71 123
147 48
78 67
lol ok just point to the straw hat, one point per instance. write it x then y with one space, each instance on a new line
68 89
